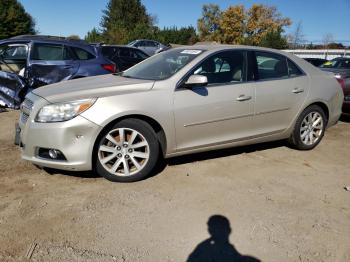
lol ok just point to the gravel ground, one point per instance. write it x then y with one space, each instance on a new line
281 204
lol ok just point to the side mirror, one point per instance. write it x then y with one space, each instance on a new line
196 81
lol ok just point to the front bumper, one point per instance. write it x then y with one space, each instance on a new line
74 138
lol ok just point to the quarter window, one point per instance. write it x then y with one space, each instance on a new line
82 54
293 69
225 67
271 66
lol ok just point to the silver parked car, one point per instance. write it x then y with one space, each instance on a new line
150 47
178 102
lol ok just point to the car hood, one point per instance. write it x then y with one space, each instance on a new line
92 87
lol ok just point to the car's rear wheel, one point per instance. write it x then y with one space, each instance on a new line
127 152
309 128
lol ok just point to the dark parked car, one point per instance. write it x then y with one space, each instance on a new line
341 68
316 61
123 56
150 47
28 62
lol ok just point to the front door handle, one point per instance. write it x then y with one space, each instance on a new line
298 90
242 98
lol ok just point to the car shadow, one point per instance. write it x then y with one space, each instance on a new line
180 160
224 152
217 248
80 174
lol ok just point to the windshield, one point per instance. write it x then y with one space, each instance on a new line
337 63
163 65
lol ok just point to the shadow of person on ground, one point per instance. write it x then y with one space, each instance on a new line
217 248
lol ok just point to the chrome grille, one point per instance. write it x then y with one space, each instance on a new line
24 118
26 108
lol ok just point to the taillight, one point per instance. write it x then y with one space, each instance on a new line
340 81
110 67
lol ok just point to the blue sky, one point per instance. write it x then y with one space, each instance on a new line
67 17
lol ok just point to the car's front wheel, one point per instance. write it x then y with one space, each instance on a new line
309 128
127 152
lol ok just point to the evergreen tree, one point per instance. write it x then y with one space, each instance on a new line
94 36
122 18
274 39
14 20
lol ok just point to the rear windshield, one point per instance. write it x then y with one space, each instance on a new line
163 65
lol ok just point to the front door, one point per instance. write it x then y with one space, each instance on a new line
13 61
220 112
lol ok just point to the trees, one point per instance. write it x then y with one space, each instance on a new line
182 36
209 24
127 20
14 20
237 25
123 19
296 39
262 19
93 36
232 25
274 39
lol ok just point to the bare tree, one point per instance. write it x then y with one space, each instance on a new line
327 39
297 38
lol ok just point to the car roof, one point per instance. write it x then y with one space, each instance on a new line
46 39
49 40
218 47
120 46
341 58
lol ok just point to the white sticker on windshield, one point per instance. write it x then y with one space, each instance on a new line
191 52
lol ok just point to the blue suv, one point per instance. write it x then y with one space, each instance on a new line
28 62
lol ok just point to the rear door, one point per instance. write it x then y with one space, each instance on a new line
280 88
50 63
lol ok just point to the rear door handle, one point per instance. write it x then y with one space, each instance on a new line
68 67
242 98
298 90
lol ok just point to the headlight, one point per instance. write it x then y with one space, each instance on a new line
63 111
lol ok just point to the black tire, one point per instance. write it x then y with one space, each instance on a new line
153 145
295 139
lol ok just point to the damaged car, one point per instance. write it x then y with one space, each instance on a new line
29 62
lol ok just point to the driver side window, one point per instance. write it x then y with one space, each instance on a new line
224 67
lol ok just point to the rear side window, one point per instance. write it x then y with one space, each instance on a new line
82 54
138 54
271 66
344 64
50 52
124 52
293 69
109 51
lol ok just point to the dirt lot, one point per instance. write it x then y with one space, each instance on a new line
282 205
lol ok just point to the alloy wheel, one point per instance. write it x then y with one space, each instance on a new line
311 129
124 152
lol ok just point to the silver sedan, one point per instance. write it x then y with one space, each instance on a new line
182 101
